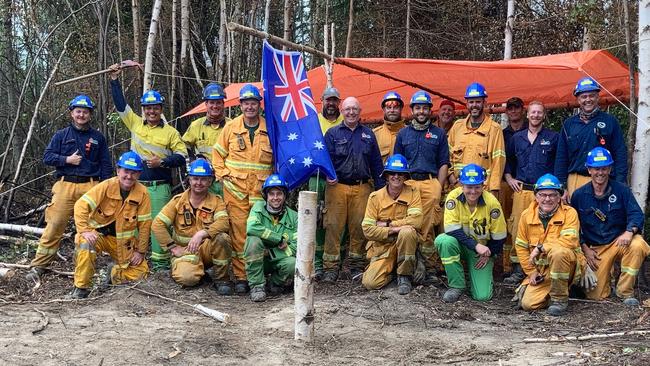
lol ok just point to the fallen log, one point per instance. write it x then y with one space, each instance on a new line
24 229
555 339
27 266
214 314
123 64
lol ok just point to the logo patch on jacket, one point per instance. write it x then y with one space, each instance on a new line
601 125
451 204
495 213
612 198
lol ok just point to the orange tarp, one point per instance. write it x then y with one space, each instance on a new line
549 79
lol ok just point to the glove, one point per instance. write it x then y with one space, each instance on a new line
420 272
589 281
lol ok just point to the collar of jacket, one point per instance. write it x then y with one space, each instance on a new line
113 190
221 123
557 219
394 126
404 197
239 127
283 219
483 129
481 201
208 205
161 124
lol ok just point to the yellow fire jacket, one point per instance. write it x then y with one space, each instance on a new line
235 159
386 135
405 210
202 135
483 146
177 222
103 205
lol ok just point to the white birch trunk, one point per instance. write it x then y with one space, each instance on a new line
172 94
303 280
222 41
267 15
151 41
185 33
510 24
22 229
288 23
641 166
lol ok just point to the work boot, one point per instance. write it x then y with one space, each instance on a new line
258 294
241 287
35 273
516 276
430 278
557 308
275 290
404 285
452 295
330 277
356 274
631 301
79 293
318 274
223 288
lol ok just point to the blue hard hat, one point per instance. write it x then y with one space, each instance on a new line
131 160
249 91
421 97
475 90
586 85
213 91
548 181
200 168
599 157
391 95
274 180
472 174
82 101
151 97
396 164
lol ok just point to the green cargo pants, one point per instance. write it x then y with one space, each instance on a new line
451 254
159 194
277 263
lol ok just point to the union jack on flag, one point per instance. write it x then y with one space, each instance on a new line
292 119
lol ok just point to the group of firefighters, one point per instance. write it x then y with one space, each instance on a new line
411 199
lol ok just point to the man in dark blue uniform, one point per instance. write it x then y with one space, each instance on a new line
356 159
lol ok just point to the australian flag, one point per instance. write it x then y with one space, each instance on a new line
292 119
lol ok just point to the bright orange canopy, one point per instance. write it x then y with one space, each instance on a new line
549 79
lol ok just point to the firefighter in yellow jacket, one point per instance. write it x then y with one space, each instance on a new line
199 231
203 132
392 226
242 160
477 139
548 249
386 134
113 217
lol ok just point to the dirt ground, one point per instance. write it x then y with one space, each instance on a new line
122 326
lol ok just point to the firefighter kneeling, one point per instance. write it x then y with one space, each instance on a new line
108 217
391 224
271 243
199 231
548 248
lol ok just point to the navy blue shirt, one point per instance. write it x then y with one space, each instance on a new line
531 161
620 213
426 151
578 138
508 132
90 144
355 154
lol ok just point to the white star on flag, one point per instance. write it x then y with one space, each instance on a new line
292 161
318 145
292 136
307 161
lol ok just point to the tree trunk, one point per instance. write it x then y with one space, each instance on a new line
510 24
288 21
151 41
185 33
408 29
223 41
632 67
348 41
641 168
172 93
586 39
101 10
304 275
137 33
267 15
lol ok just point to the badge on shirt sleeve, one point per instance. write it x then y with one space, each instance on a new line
612 198
365 135
495 213
428 135
601 124
451 204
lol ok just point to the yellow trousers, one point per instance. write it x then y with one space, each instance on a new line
557 275
239 206
631 258
575 181
430 192
188 269
520 201
57 216
345 205
86 254
386 255
505 199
